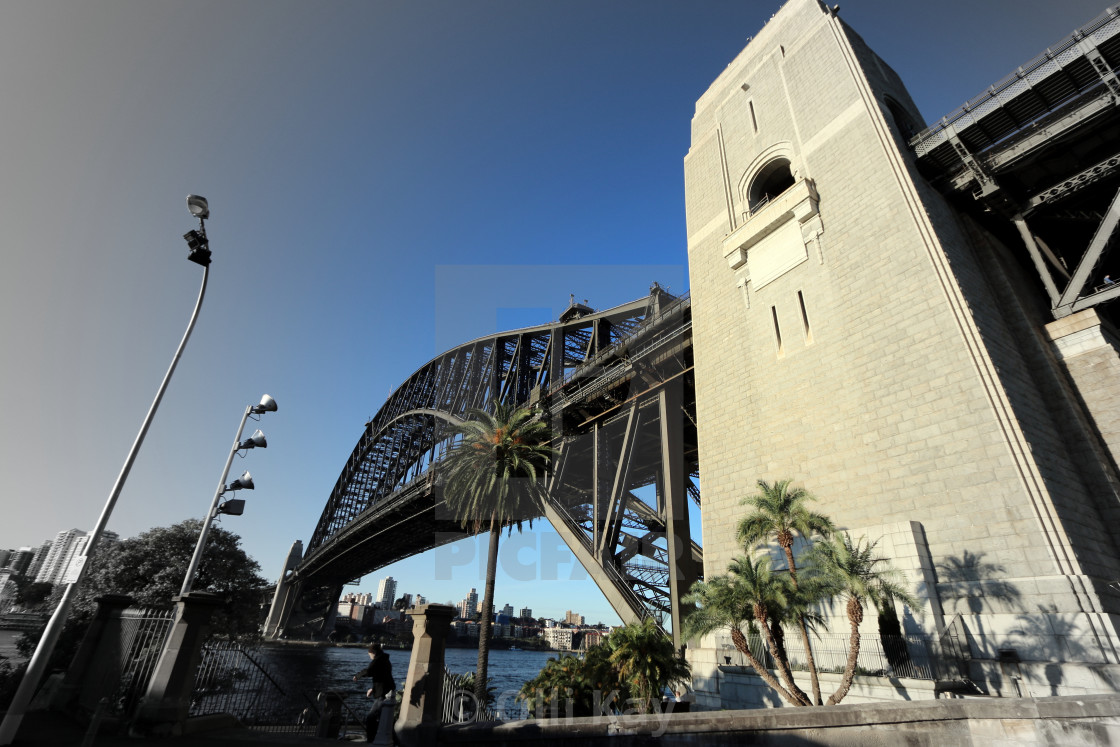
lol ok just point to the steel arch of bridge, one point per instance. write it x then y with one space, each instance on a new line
617 388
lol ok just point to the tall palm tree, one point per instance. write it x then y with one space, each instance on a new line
856 573
749 594
494 478
645 659
780 513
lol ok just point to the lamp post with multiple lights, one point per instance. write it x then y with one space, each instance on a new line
245 482
200 254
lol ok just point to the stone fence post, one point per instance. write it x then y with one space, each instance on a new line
95 671
167 702
422 705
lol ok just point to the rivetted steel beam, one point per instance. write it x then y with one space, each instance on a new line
1089 260
678 537
614 591
616 505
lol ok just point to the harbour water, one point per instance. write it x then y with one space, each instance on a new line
319 668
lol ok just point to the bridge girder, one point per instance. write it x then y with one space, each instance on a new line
1038 149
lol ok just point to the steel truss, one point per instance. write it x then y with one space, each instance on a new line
614 380
1039 148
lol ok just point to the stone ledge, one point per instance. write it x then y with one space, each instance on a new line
696 728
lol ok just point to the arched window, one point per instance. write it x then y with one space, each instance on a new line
774 178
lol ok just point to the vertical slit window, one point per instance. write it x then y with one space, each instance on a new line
777 328
804 317
754 121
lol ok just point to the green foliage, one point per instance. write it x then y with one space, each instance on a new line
780 511
851 570
751 595
9 681
571 687
150 568
466 682
646 661
33 595
495 474
631 666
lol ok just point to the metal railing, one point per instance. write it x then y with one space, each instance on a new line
459 703
142 634
232 678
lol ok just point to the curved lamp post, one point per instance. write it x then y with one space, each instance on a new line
245 482
199 253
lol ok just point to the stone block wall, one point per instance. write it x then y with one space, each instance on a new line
883 368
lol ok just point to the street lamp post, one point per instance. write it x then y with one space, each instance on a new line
267 404
199 247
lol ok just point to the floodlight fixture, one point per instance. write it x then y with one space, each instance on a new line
232 507
255 441
268 404
245 482
198 246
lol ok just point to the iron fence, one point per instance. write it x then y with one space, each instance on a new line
232 678
459 703
141 637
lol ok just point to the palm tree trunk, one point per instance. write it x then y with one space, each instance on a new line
855 617
740 642
810 661
486 616
781 660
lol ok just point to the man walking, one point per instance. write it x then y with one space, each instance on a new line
383 686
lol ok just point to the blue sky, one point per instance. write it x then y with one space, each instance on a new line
386 179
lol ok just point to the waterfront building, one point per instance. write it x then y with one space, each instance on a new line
38 556
386 592
67 545
468 608
7 589
20 560
893 350
559 639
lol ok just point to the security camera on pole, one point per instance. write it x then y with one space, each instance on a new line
245 482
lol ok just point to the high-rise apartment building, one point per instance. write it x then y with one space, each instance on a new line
468 608
68 544
386 592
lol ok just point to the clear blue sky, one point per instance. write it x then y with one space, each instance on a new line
387 179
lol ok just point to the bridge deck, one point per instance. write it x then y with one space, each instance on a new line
1057 90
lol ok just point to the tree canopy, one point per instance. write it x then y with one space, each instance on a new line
150 568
